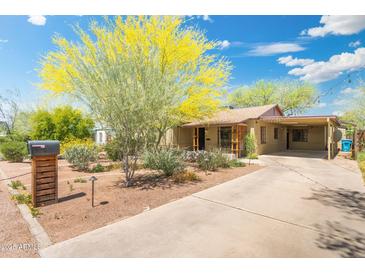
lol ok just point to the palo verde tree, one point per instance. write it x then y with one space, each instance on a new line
140 76
294 97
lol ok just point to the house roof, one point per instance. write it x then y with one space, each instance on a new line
234 116
302 120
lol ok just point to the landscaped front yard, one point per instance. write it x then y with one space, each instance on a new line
74 214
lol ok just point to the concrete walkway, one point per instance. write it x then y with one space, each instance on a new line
298 206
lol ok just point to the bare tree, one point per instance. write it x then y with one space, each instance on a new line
9 110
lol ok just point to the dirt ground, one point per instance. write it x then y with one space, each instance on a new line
15 238
74 214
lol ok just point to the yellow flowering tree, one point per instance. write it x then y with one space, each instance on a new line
140 75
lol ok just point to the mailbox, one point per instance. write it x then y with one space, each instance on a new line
43 148
44 171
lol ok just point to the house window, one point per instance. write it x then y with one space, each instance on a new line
225 137
276 133
263 135
300 135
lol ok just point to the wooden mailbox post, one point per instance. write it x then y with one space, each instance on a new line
44 172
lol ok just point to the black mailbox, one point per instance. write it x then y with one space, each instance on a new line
43 148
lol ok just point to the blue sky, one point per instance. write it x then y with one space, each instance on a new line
327 51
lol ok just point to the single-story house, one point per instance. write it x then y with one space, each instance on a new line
273 132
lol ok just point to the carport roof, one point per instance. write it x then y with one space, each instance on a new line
301 120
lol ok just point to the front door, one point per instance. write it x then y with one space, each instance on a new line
201 138
287 139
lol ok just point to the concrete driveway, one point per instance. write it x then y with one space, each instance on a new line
300 205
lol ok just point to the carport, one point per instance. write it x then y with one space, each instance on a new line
312 133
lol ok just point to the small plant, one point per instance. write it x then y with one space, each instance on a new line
80 180
22 198
113 166
26 199
236 163
14 151
70 186
250 146
97 168
252 156
34 211
113 151
211 161
168 161
80 156
185 176
17 185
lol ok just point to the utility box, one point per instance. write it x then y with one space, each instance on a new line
44 171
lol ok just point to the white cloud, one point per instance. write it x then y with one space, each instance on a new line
340 102
3 41
337 25
322 71
355 44
321 105
207 18
224 44
275 48
289 61
38 20
351 91
338 113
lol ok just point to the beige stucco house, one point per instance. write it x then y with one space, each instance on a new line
273 130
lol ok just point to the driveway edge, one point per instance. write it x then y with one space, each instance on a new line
35 227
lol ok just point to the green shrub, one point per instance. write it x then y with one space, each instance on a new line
169 161
17 185
252 156
14 151
113 151
361 156
212 160
236 163
80 156
250 145
97 168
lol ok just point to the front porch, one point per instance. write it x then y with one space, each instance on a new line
228 138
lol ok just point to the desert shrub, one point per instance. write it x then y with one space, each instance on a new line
97 168
212 160
14 151
80 156
80 180
169 161
113 151
74 142
191 156
185 176
235 163
17 185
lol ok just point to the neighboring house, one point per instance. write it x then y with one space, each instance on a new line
102 135
273 130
